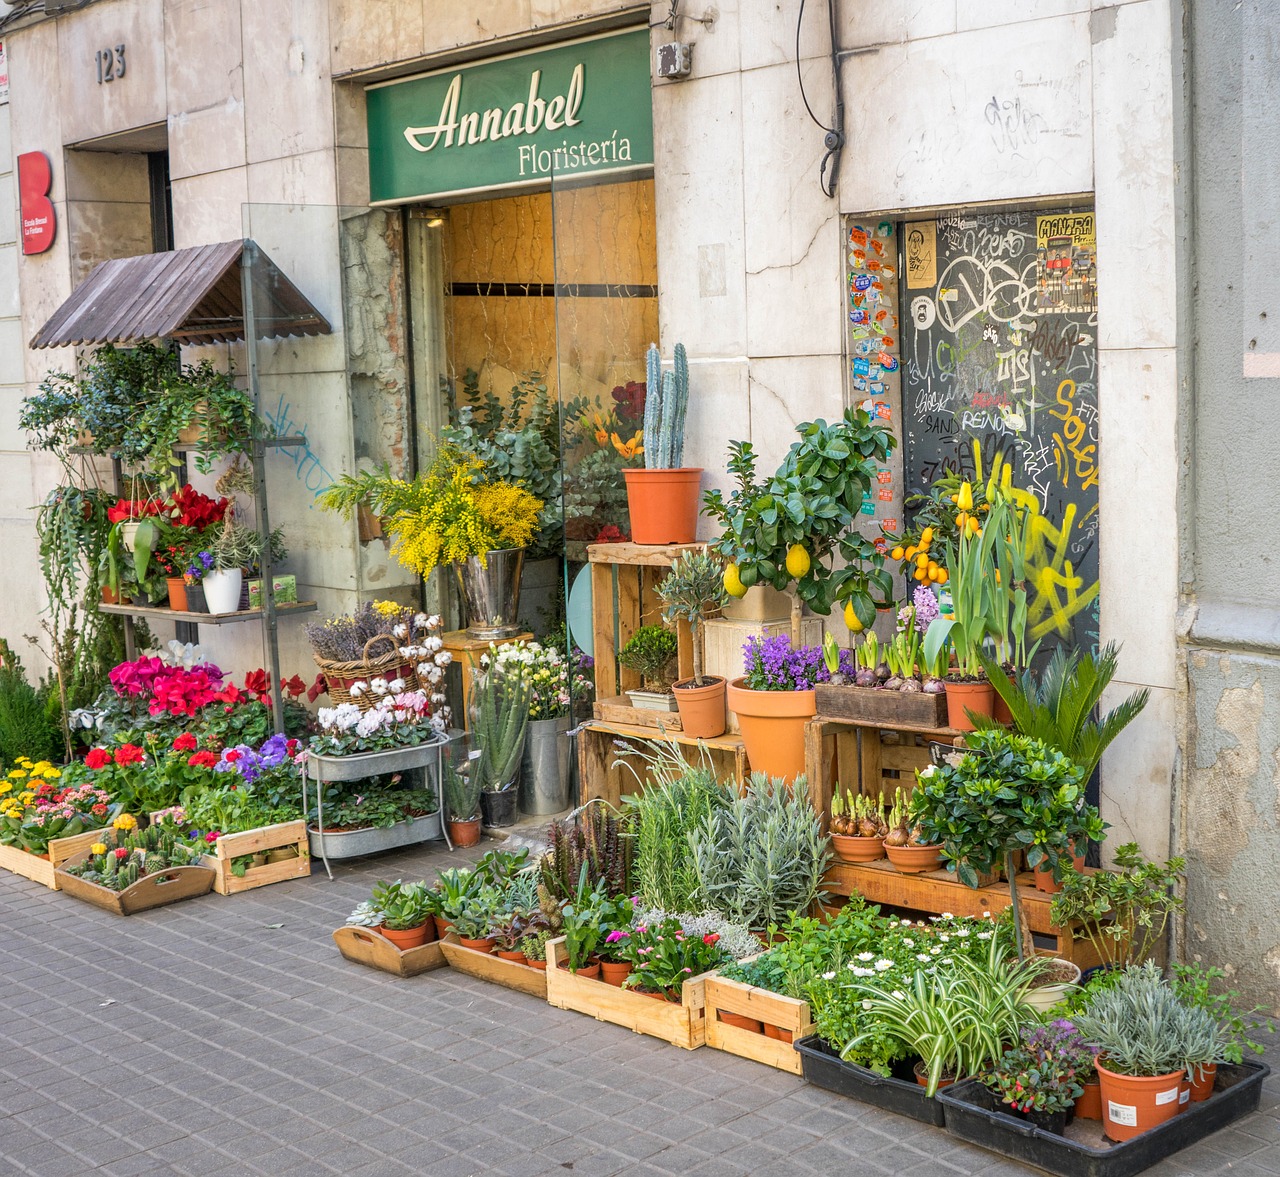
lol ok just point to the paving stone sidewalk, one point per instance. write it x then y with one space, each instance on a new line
203 1039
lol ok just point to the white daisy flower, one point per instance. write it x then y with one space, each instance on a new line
898 995
883 965
905 923
984 935
962 932
935 951
866 956
923 957
828 976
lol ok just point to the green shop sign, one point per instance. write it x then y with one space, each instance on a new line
575 110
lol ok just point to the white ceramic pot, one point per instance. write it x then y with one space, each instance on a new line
1046 996
222 590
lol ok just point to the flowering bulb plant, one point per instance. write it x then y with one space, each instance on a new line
554 682
1045 1071
770 664
39 802
396 720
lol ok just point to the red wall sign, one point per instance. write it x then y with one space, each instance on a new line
38 221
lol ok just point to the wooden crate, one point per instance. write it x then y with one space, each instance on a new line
891 708
368 947
231 846
44 870
601 776
787 1013
934 892
682 1025
620 710
157 890
490 967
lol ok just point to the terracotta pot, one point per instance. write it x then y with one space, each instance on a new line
442 926
702 712
914 860
464 833
540 965
613 972
109 595
485 944
663 505
1131 1103
921 1073
772 724
742 1022
591 971
410 938
1202 1082
177 593
777 1033
1044 876
978 697
1089 1105
1000 711
855 849
514 955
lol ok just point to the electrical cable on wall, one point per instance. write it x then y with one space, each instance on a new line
833 138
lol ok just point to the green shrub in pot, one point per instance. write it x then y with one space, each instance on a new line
403 905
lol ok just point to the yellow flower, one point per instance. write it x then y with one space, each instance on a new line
35 782
5 787
629 449
24 761
387 608
126 821
17 774
98 848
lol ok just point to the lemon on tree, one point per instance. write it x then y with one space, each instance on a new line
798 562
733 582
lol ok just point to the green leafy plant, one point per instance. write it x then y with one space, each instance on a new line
1194 985
582 925
761 857
792 529
1059 705
1004 794
599 842
663 956
501 719
1124 912
692 591
402 905
651 651
461 793
1044 1071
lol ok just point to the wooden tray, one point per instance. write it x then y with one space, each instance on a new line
681 1025
230 846
44 870
870 705
489 966
787 1013
164 887
367 947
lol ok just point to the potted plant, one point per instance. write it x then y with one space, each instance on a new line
581 928
475 918
1004 794
774 700
462 800
406 913
1193 983
908 847
455 513
1147 1041
662 498
651 652
858 828
500 718
232 551
692 591
1040 1079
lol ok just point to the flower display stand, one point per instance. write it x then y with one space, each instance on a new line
369 947
275 837
488 966
41 869
682 1024
788 1014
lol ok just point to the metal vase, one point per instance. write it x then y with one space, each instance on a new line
492 593
546 784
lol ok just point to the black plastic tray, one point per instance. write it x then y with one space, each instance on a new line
823 1067
971 1115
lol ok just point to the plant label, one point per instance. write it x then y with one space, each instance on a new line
1123 1113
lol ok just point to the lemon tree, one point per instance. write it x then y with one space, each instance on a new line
791 529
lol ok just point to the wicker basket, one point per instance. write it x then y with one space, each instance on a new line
341 676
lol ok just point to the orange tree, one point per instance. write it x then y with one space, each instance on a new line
788 530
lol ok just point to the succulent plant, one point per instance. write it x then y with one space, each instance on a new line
666 403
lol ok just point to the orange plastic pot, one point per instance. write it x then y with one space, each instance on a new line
1131 1104
613 972
663 504
978 697
1044 876
850 848
772 725
1089 1105
914 860
464 833
1202 1082
408 938
702 713
177 593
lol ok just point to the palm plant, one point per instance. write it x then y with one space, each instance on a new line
501 720
1058 706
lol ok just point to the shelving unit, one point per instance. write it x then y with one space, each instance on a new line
185 617
597 754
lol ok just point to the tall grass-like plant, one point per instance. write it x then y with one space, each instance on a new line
461 794
760 858
501 720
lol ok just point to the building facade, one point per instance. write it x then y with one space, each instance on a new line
1030 168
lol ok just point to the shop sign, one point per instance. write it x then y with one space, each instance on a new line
517 121
4 73
39 222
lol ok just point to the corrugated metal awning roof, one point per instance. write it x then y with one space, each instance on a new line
189 295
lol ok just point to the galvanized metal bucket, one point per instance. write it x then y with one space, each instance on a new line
492 593
546 784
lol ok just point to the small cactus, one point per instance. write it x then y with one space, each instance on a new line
666 404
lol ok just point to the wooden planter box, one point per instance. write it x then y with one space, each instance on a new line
681 1025
44 870
488 966
876 706
787 1013
367 947
231 846
164 887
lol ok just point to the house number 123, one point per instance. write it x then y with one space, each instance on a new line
110 64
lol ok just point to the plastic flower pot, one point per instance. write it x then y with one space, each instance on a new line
754 1025
407 937
498 808
914 860
177 593
514 955
464 833
1089 1105
1202 1082
962 697
1131 1104
772 725
663 505
702 713
613 972
850 848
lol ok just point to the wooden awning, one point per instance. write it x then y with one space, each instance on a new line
188 295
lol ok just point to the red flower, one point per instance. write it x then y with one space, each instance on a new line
122 852
293 686
317 688
229 694
711 938
97 758
233 755
129 754
202 760
99 810
255 682
197 510
185 743
291 748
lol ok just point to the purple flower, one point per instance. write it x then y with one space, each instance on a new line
926 604
772 665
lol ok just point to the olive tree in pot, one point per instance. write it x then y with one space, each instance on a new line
500 718
692 591
1001 795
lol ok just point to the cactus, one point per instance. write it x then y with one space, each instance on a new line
665 406
127 875
156 862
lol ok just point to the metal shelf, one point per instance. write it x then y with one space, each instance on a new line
163 613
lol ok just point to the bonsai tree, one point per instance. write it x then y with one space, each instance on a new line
651 652
1004 794
692 591
790 530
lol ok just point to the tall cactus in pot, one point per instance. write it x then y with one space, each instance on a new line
665 406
